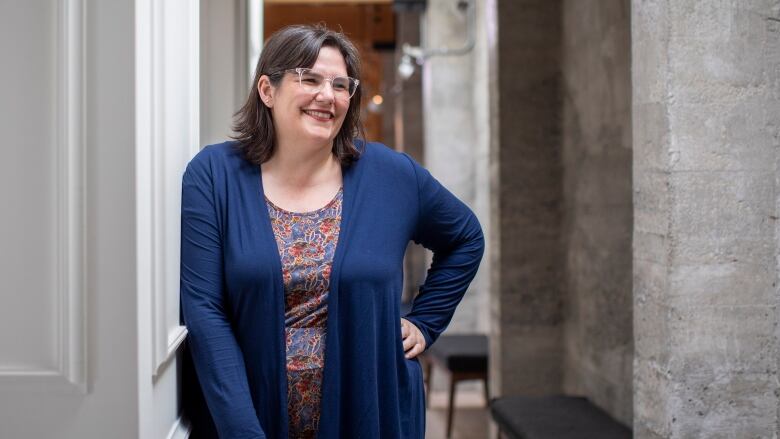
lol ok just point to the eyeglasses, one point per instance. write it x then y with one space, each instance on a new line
313 82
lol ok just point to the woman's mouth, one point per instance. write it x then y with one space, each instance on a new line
320 115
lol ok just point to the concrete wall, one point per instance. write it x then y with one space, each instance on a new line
526 298
597 203
706 136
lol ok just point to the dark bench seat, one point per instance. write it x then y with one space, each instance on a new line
554 417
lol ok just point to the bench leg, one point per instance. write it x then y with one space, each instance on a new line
451 408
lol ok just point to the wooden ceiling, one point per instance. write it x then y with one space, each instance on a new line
319 2
364 23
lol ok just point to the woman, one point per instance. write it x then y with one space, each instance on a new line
293 239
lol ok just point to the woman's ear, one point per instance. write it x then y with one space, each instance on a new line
266 91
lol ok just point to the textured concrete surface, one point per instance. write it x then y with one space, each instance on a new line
706 100
526 343
597 206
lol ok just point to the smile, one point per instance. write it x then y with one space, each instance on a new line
320 115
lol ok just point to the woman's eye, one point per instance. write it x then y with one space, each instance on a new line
310 80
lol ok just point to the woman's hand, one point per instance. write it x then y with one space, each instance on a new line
414 342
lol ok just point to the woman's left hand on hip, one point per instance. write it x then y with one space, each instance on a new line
413 340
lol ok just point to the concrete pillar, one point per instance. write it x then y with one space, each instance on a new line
526 299
706 131
597 207
453 151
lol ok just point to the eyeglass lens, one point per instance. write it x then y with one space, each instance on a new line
313 82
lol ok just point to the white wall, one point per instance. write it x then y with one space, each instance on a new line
230 44
67 329
222 35
99 115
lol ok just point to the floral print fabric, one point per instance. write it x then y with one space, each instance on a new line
306 243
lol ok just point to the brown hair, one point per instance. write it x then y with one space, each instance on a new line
288 48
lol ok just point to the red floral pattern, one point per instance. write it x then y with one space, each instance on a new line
306 243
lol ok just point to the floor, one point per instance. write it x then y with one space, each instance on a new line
471 419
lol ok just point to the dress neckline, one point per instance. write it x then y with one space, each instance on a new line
328 205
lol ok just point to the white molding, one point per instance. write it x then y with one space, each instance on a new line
179 430
175 338
154 200
157 195
71 344
254 37
195 80
73 316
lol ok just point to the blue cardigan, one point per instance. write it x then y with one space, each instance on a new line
232 295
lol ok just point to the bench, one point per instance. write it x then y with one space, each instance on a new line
554 417
465 357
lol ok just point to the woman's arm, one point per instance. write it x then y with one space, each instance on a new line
218 360
450 229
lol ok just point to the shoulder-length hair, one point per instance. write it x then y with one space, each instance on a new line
289 48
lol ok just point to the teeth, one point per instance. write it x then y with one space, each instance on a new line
319 114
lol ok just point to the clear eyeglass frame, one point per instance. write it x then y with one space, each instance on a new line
312 81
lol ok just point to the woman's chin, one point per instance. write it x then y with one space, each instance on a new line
321 136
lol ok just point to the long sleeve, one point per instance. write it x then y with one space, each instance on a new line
216 354
450 229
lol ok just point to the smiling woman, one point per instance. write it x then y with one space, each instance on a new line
299 47
306 111
293 238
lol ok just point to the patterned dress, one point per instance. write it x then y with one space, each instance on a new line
306 243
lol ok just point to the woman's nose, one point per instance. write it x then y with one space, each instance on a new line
326 92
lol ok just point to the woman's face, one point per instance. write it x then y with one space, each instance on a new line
310 118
